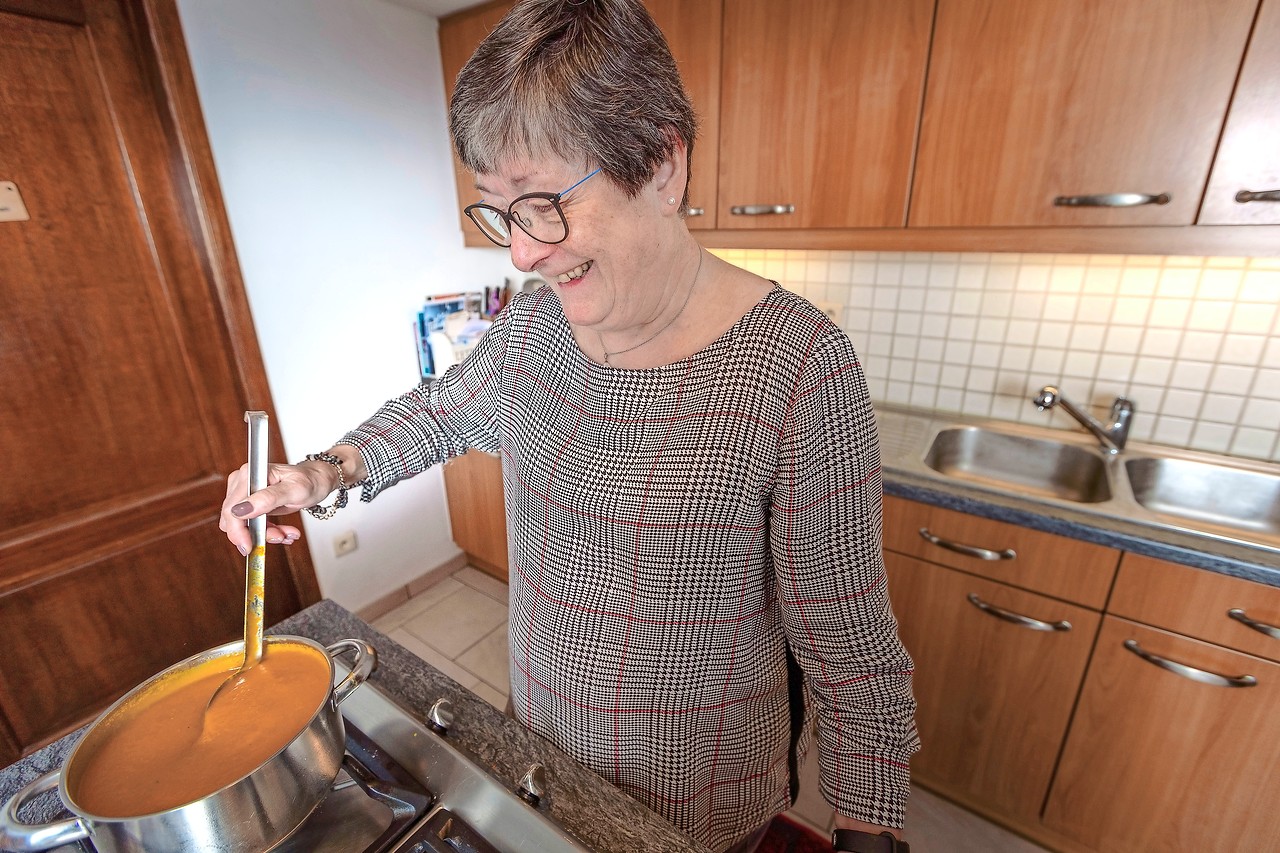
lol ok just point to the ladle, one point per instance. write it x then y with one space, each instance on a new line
256 562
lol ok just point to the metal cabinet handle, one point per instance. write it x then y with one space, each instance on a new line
1262 627
695 211
967 550
1245 196
1191 672
1111 200
761 209
1018 618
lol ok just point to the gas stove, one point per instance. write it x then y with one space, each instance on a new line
404 788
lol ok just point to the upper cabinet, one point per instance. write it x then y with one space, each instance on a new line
1061 112
1245 185
459 36
820 101
1112 126
692 28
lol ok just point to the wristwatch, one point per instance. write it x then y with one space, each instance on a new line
856 841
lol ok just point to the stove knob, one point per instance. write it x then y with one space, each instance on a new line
532 786
440 717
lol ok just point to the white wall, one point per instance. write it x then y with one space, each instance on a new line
327 122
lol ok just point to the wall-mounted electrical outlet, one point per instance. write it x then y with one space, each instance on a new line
344 543
834 310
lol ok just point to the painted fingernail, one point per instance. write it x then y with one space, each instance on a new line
275 540
241 509
244 552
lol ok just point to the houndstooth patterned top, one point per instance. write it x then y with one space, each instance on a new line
695 558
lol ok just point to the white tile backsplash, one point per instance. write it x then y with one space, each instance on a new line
1193 341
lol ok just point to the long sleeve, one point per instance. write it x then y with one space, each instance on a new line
435 420
825 531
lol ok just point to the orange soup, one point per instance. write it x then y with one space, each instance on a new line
169 746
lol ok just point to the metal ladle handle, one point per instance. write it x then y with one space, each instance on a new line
255 563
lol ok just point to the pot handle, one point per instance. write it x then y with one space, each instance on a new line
365 663
16 835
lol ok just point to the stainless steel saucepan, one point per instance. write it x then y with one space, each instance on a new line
247 816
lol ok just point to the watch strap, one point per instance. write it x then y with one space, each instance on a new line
857 841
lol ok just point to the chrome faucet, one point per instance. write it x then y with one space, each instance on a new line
1111 437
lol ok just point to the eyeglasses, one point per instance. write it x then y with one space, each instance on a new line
538 214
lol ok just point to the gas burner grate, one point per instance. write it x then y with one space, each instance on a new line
376 806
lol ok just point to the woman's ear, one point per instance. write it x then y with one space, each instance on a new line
671 177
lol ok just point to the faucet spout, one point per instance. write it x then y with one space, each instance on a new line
1112 436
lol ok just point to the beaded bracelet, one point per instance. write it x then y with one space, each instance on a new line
327 512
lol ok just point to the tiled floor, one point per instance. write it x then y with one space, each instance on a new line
459 626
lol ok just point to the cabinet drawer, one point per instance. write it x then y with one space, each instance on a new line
1196 602
1159 761
1054 565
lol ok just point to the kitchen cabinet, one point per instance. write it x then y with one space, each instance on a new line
1097 737
997 670
473 486
459 36
1248 158
820 101
884 126
1032 103
999 622
1159 761
692 30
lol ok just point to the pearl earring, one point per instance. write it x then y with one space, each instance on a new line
671 200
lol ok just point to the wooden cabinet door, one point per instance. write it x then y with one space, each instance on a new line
1249 156
994 698
692 29
819 106
127 360
1029 101
477 512
1156 761
460 34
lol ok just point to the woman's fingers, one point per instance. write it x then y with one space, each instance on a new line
289 488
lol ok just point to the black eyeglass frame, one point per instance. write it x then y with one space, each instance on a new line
508 217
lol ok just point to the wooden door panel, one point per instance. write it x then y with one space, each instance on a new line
126 362
87 322
1249 156
118 621
994 698
692 30
819 105
1030 101
477 511
1156 761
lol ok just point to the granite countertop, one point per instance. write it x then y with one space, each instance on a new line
905 435
600 816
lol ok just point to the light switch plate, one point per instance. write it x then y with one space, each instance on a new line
11 207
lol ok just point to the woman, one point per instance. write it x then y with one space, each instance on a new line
689 457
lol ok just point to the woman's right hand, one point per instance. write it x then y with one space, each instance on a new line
289 488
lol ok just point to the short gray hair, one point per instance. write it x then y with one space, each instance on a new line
590 79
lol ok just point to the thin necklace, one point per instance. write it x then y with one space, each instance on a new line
649 339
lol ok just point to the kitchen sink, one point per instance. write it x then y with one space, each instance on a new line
1035 466
1205 493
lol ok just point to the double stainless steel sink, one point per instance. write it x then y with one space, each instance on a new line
1219 497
